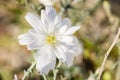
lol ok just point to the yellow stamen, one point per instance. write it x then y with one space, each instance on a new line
51 39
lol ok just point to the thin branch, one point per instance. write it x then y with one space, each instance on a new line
26 73
44 77
117 77
107 54
56 70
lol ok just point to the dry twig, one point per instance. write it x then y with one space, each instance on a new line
107 54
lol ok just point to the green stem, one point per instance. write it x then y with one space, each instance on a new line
44 77
28 71
56 70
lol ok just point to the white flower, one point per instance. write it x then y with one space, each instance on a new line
15 77
47 2
52 37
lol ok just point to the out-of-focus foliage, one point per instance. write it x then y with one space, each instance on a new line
99 20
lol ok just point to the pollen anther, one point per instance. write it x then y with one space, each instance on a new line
51 39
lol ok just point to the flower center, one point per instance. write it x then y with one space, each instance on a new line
51 39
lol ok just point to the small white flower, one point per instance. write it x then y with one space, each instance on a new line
15 77
52 37
47 2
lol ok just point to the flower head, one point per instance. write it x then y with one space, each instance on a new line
52 37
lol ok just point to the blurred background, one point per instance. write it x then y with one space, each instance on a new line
99 21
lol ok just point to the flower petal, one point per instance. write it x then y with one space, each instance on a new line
48 8
65 21
78 48
51 12
72 30
60 53
25 39
63 29
34 21
44 18
47 17
46 61
35 45
56 22
37 34
70 58
32 39
47 2
75 47
67 39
